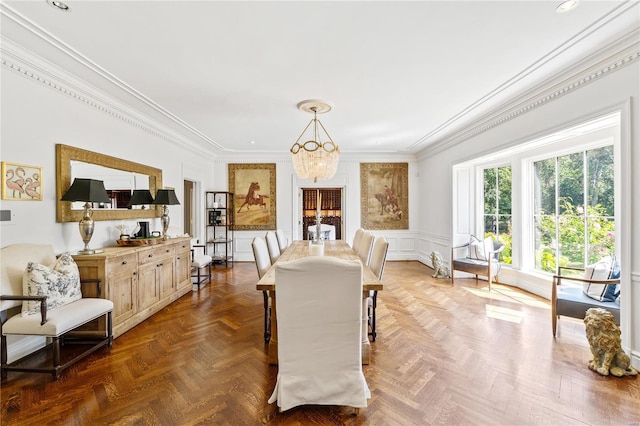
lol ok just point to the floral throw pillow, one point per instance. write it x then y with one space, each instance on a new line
60 282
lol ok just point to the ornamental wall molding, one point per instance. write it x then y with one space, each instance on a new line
20 61
599 64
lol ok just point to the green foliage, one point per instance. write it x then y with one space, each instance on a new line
600 237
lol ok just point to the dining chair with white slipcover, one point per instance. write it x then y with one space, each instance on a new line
364 247
356 239
263 263
376 264
282 240
319 320
272 244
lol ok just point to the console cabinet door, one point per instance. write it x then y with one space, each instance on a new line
183 269
122 279
166 276
148 285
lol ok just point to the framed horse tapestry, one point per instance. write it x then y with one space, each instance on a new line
384 195
254 189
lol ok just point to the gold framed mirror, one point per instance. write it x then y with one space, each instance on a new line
66 156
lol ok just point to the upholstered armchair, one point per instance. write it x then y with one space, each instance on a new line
478 257
44 297
200 261
597 287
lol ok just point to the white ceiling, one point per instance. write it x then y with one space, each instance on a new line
400 75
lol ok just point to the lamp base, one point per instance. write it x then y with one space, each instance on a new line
88 251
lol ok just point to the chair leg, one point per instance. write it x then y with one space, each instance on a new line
267 331
3 373
110 329
373 316
56 357
554 323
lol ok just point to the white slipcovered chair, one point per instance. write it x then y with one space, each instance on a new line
272 245
376 264
200 260
356 239
282 240
319 333
263 263
364 247
60 303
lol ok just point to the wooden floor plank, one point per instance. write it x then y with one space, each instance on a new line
444 355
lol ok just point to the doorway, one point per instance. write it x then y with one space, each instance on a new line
188 208
330 209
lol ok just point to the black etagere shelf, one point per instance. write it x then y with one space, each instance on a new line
219 228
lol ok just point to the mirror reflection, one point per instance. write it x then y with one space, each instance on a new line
118 183
120 176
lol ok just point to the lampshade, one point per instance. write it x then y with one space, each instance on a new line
139 197
88 190
315 159
166 197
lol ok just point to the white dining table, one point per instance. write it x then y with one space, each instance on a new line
300 249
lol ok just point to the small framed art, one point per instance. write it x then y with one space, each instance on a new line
21 182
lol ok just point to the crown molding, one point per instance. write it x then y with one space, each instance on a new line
601 63
20 61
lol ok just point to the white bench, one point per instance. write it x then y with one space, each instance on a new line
57 325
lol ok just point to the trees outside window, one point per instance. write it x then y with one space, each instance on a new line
497 207
574 209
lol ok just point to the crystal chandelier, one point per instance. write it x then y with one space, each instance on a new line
314 159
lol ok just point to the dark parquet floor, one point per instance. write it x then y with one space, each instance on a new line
444 355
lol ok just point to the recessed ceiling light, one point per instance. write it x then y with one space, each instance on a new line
59 5
252 142
567 5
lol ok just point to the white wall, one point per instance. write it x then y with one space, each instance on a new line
619 89
35 117
402 243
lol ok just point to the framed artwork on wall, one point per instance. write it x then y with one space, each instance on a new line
21 182
384 195
254 192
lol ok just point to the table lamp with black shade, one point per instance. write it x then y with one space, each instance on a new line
165 197
89 191
141 197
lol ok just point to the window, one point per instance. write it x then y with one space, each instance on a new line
497 207
574 209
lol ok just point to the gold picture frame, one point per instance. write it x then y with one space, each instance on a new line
384 195
254 192
21 182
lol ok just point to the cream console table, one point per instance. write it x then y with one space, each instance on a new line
140 280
